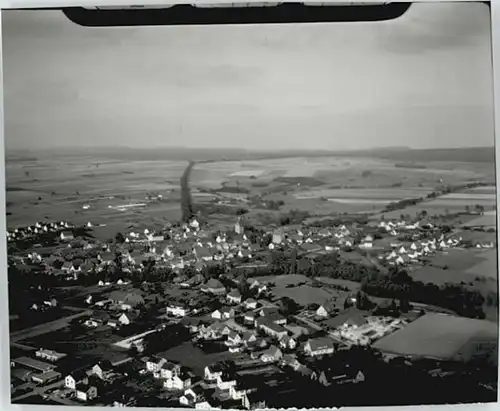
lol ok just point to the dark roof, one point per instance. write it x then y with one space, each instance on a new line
34 364
352 317
234 293
105 365
214 283
78 375
83 387
320 343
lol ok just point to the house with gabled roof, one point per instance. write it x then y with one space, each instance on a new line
102 369
250 304
75 378
326 309
223 313
248 337
270 328
272 354
203 253
233 338
66 236
234 297
349 318
287 342
319 346
179 382
127 299
86 392
249 317
213 286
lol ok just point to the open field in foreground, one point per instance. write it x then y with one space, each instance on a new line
438 336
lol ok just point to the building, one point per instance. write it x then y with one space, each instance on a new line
77 377
234 297
319 346
270 328
233 338
169 371
127 300
288 343
352 317
33 364
46 377
49 355
193 395
177 382
238 227
272 354
249 317
250 304
203 254
86 392
66 236
102 369
326 309
278 236
213 286
176 310
127 318
223 314
156 362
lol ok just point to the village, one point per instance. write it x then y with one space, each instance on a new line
194 316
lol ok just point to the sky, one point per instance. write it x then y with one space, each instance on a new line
423 80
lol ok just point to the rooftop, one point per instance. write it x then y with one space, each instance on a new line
34 364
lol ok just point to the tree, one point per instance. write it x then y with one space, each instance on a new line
119 238
289 306
293 261
404 305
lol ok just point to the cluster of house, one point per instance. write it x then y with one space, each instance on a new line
399 255
394 228
37 229
264 332
354 329
312 239
172 375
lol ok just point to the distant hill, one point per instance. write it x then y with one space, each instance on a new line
468 154
401 154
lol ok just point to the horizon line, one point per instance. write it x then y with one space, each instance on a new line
250 150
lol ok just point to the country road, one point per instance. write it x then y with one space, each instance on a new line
38 390
46 327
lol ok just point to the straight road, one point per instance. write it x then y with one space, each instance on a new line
46 327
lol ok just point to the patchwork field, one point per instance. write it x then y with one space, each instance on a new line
459 265
59 188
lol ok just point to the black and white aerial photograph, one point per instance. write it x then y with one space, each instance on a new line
249 216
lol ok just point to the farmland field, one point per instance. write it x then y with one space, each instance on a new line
488 219
459 265
60 187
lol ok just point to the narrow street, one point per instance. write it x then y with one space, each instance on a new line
38 390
